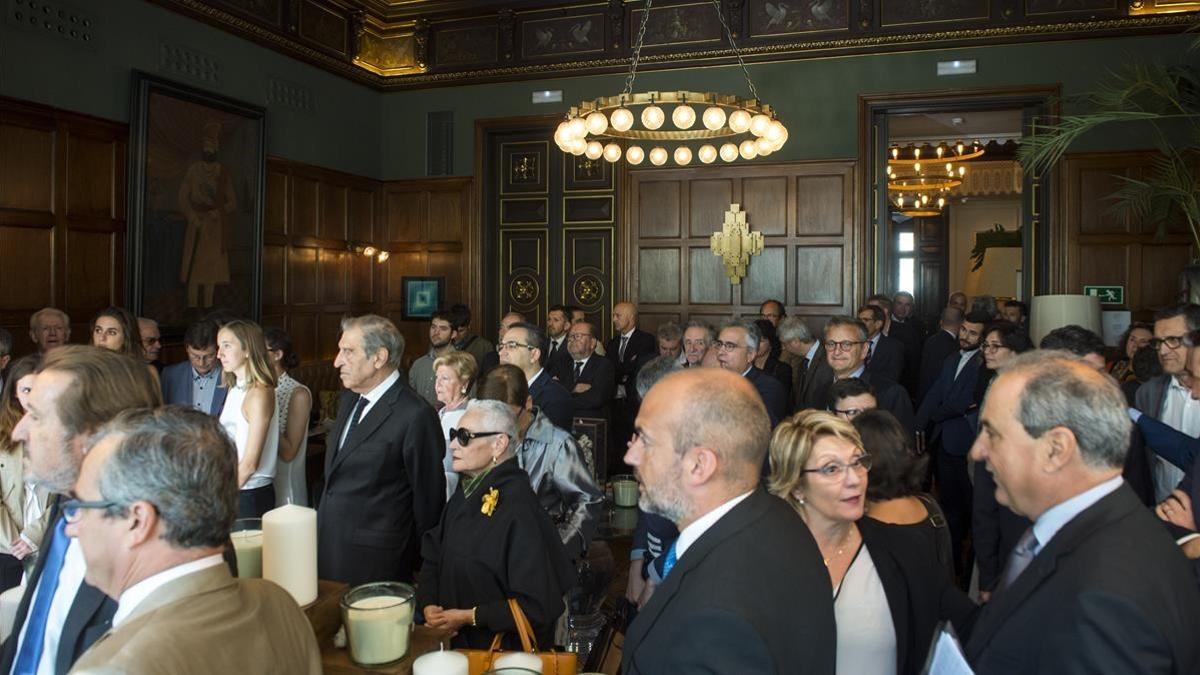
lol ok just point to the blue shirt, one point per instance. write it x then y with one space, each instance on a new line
203 389
1056 517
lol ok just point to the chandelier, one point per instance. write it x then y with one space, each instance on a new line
919 187
730 127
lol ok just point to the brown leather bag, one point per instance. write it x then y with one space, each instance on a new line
553 663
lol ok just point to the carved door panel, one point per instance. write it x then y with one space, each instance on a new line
549 228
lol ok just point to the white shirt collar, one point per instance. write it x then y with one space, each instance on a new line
584 360
137 593
682 358
692 532
536 376
1056 517
630 333
857 373
377 393
812 351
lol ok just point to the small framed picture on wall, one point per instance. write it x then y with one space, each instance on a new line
422 296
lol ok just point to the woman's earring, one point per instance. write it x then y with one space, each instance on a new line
493 460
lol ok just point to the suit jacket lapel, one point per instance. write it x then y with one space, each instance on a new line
368 424
85 605
335 434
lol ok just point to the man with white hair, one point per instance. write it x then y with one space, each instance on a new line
49 327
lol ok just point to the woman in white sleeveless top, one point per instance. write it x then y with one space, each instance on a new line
293 403
249 414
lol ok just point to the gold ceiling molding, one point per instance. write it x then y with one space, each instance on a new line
992 179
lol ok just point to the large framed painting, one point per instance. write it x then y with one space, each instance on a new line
197 168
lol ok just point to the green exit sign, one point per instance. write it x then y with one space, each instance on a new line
1108 295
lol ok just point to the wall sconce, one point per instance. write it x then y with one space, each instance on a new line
369 251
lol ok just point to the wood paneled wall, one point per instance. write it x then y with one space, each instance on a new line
804 210
62 216
1101 249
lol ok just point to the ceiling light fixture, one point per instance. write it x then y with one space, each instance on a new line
699 122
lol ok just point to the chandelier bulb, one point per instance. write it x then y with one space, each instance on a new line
653 117
748 150
764 146
940 150
684 116
759 124
594 150
916 153
634 155
729 152
612 152
895 152
596 123
578 146
917 167
621 119
577 127
959 147
739 121
683 155
658 156
774 132
714 118
707 154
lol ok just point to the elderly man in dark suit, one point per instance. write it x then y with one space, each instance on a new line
736 347
941 344
744 589
629 349
1095 585
591 379
384 481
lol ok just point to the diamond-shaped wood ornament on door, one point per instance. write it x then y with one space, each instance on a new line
735 243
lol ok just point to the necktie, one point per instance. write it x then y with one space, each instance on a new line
870 351
35 633
1022 554
553 348
670 560
578 370
621 350
354 415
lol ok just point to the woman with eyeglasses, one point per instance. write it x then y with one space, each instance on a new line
453 376
493 542
889 592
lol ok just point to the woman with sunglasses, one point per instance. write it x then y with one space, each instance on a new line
493 542
889 591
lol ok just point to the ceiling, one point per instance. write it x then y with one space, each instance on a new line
980 125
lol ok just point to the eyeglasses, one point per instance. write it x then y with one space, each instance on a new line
465 436
1171 341
837 470
842 345
848 413
73 508
993 347
727 346
512 344
576 337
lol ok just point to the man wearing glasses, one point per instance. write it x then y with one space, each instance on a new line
850 398
591 379
737 346
846 353
151 341
155 499
522 346
1166 397
77 390
196 383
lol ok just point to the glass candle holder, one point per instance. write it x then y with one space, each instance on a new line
378 618
625 491
247 538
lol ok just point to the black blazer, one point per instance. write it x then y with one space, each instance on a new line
920 592
944 408
772 394
912 336
553 399
890 397
1109 593
814 387
750 596
887 359
383 489
90 615
600 373
641 348
937 347
560 362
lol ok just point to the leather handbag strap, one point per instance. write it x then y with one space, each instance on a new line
524 629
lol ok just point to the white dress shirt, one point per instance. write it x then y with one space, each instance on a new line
135 594
963 358
1182 413
691 533
70 578
371 396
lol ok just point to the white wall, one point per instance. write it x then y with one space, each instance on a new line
998 276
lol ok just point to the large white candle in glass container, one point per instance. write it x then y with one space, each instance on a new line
378 619
441 663
290 550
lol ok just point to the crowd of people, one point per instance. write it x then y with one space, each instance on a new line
811 501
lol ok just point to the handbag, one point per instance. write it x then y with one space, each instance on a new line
479 661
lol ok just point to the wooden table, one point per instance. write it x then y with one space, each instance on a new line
325 616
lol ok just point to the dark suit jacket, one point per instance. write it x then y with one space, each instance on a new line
383 489
937 347
641 348
814 387
890 397
887 359
1109 593
558 364
943 410
177 387
750 596
919 591
90 615
599 373
995 529
771 392
912 336
553 399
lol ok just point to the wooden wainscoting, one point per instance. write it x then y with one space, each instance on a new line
1102 249
62 216
805 211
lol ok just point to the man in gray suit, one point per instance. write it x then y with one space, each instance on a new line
1166 397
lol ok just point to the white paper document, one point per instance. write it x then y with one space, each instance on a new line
947 657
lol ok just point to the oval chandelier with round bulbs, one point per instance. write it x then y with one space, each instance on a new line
678 125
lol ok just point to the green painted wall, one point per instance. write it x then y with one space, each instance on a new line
816 98
341 131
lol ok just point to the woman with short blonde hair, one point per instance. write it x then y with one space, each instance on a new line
453 377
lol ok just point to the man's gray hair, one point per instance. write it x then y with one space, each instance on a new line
1063 391
670 331
6 340
753 334
952 315
849 321
710 333
36 319
377 333
655 370
496 416
148 320
181 461
794 328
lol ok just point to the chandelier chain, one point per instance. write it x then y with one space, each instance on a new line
733 44
637 52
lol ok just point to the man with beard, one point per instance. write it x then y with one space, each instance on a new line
744 589
698 337
558 324
77 390
942 416
421 376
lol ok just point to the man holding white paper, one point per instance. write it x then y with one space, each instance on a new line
155 499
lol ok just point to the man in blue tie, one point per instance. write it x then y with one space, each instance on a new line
77 390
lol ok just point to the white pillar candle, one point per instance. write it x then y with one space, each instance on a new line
519 660
247 548
441 663
378 629
290 550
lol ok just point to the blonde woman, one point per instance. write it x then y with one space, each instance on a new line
249 413
889 592
453 376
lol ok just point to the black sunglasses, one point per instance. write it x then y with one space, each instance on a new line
465 436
